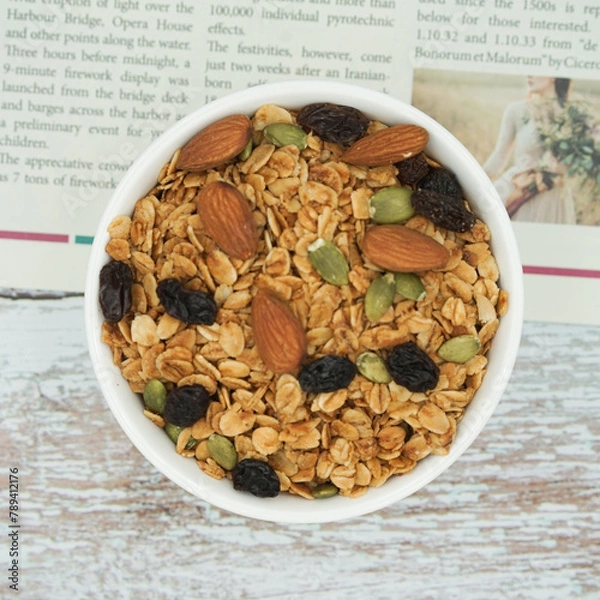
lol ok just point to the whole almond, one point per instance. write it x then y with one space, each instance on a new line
403 250
227 218
216 144
387 146
278 334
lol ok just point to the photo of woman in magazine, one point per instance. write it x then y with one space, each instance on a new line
552 142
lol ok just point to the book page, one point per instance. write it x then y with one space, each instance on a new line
88 84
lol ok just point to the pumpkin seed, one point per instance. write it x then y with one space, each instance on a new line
372 366
380 296
329 262
247 151
222 451
391 205
460 349
155 396
284 134
173 432
410 286
324 490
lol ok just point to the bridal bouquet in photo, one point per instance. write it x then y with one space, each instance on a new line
572 135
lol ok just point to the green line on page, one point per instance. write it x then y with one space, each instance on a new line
84 239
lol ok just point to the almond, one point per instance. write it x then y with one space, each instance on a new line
387 146
227 218
278 334
216 144
403 250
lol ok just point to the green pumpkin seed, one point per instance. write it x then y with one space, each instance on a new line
391 205
372 366
410 286
324 490
460 349
379 297
155 396
329 262
247 151
173 432
284 134
222 451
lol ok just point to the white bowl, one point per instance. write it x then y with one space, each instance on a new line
155 445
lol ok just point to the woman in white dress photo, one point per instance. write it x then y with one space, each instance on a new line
533 186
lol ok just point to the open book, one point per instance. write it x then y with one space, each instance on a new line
88 84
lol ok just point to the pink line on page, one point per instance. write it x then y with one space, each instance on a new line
34 237
561 271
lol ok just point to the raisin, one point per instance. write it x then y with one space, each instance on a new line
327 374
409 431
256 477
442 181
190 306
186 404
412 368
449 212
333 122
413 169
116 280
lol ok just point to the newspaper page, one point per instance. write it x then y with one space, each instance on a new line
87 84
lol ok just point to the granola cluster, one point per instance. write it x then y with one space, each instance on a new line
356 437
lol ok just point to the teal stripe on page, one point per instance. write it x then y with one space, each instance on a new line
84 239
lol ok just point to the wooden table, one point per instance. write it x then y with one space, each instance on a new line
518 516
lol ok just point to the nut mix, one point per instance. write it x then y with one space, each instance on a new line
304 301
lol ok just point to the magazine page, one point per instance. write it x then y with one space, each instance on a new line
88 84
518 82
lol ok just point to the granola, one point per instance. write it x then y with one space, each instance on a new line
351 438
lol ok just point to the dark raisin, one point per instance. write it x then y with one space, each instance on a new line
412 368
256 477
186 404
334 122
408 429
116 280
442 181
190 306
327 374
413 169
449 212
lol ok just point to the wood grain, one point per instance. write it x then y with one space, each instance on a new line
518 516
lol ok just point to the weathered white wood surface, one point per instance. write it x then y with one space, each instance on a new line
518 516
